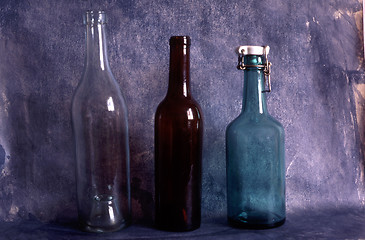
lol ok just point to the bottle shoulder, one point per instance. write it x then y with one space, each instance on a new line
247 123
178 111
170 105
101 95
275 122
98 84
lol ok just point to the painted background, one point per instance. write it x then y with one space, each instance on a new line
317 79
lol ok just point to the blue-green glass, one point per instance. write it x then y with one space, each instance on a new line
255 158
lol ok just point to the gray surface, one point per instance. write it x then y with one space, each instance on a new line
316 51
326 223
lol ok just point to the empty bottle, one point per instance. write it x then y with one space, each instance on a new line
100 125
178 147
255 151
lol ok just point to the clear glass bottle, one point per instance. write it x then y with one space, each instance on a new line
255 151
178 147
100 126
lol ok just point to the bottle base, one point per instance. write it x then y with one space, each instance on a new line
246 225
177 228
95 229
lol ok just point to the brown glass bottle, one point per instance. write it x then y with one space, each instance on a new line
178 147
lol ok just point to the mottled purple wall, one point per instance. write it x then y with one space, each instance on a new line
317 79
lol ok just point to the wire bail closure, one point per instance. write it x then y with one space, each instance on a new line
267 66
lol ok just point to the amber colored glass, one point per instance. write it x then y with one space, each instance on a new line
178 147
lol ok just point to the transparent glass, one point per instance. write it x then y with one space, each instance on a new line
255 158
178 147
100 126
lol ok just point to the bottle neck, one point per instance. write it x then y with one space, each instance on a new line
254 99
96 47
179 77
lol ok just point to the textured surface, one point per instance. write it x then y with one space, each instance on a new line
318 95
326 223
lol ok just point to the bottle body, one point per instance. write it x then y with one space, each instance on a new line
100 125
178 152
255 174
255 159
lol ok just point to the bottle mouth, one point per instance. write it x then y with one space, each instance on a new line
95 17
253 50
180 40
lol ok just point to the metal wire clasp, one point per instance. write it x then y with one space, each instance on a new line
267 67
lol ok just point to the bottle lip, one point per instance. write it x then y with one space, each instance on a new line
180 40
253 50
92 17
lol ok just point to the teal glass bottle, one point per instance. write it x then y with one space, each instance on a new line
255 151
